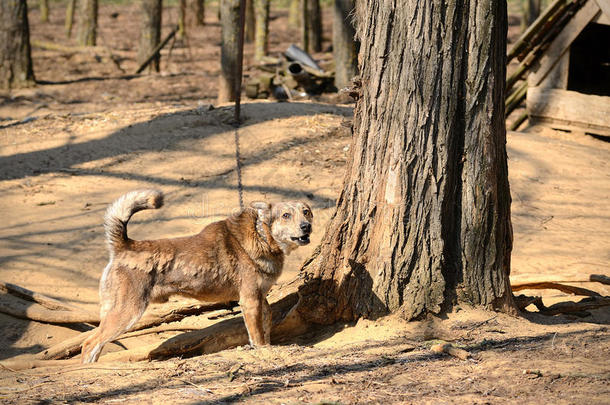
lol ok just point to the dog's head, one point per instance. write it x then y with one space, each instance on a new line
290 222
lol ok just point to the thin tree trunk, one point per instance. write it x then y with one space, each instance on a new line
69 17
345 47
250 31
294 13
314 16
87 34
44 10
229 21
15 56
423 221
531 11
199 11
181 19
150 33
261 40
304 25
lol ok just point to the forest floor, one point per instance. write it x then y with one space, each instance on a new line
89 132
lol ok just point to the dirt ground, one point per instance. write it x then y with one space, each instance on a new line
89 132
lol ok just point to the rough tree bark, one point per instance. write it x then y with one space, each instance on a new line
345 46
314 24
261 38
423 221
15 56
229 21
150 32
87 34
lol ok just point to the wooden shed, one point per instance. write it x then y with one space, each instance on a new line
568 61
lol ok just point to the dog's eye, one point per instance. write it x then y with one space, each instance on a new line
286 215
306 213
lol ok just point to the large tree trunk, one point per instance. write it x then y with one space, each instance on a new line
423 221
150 32
229 21
314 23
345 46
261 38
15 57
87 34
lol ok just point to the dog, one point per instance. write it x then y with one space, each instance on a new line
238 258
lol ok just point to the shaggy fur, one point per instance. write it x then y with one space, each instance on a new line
238 258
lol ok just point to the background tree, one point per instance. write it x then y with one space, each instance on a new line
314 23
229 22
531 11
70 6
294 13
87 35
181 19
261 38
423 221
44 10
15 56
150 32
199 11
250 27
345 47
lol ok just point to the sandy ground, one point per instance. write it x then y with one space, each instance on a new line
74 143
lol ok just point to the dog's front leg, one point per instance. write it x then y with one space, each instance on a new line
252 308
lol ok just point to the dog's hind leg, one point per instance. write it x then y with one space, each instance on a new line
267 324
124 306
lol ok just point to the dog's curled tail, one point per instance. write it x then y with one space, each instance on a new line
119 213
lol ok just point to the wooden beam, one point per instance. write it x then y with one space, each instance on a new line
604 5
569 109
562 42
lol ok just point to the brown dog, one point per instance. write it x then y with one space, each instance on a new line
238 258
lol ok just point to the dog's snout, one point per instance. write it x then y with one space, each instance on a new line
306 227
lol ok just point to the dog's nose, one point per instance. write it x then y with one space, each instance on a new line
306 227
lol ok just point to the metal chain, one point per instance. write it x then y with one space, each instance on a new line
240 187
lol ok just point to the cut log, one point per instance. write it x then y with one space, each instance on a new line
570 110
600 278
582 305
555 286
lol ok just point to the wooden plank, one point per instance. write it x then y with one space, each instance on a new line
558 76
604 5
570 109
562 42
602 19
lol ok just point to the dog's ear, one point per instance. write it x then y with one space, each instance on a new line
263 209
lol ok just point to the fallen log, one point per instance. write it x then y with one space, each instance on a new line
72 346
600 278
582 305
27 363
555 286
